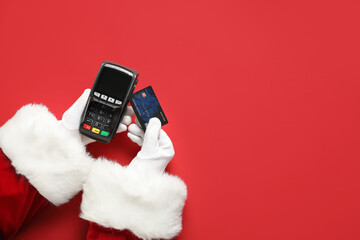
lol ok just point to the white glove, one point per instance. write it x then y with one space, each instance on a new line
157 149
71 118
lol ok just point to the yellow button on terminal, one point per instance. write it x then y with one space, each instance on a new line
95 130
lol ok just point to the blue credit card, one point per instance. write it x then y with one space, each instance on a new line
146 106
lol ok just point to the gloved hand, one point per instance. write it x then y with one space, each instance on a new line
157 149
71 118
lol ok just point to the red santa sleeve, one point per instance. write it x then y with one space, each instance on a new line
19 200
40 162
97 232
128 203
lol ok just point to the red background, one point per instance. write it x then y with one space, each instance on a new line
262 99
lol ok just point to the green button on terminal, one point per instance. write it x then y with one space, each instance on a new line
104 133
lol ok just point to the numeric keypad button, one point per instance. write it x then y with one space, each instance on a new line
88 120
92 115
100 118
98 125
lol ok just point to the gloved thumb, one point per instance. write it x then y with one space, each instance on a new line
71 118
151 137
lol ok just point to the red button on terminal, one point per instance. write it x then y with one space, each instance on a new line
87 127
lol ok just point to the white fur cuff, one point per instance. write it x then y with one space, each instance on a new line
49 156
148 204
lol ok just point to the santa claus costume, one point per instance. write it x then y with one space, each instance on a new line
44 160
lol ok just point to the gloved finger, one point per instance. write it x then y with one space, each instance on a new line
121 128
126 120
136 130
129 111
164 139
135 139
151 136
166 145
71 118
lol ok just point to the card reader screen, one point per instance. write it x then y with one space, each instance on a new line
113 83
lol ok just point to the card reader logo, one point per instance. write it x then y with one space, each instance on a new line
143 94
